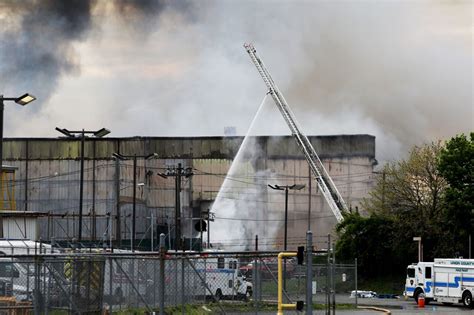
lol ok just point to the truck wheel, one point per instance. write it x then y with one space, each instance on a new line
467 299
218 295
417 294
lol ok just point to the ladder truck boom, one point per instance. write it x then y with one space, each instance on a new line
324 181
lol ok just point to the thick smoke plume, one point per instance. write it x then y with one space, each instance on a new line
36 44
401 71
38 41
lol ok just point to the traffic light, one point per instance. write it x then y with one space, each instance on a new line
201 226
300 255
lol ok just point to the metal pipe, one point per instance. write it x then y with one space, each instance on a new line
282 306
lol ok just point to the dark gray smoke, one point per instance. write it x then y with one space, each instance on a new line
38 37
36 49
399 70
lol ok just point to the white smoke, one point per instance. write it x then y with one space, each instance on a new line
401 71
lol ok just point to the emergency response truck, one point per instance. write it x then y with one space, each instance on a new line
445 280
222 277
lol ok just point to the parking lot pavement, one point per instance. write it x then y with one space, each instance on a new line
395 306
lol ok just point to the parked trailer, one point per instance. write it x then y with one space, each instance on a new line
445 280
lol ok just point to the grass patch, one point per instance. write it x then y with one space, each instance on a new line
390 285
213 308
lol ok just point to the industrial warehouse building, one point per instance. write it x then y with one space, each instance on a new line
47 181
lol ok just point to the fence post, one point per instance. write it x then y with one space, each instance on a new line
162 274
333 277
328 273
309 273
255 277
356 281
182 280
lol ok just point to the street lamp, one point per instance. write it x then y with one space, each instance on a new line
82 135
22 100
134 158
286 188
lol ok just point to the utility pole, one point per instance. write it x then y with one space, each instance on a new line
134 203
177 210
82 134
177 173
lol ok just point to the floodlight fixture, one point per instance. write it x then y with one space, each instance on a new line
151 156
276 187
119 156
65 132
297 186
101 132
25 99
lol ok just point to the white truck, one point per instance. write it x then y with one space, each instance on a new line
445 280
222 277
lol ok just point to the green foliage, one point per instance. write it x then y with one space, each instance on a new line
456 165
370 240
429 194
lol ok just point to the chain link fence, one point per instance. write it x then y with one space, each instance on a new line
94 283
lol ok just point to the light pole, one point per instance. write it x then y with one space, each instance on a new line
22 100
286 188
177 173
82 135
134 207
420 247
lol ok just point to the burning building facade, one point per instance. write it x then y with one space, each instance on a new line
48 181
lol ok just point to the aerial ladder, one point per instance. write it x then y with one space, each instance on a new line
325 183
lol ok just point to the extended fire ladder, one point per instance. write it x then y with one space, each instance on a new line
325 183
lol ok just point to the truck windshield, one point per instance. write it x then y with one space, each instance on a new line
410 273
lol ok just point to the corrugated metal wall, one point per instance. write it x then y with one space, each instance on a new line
48 176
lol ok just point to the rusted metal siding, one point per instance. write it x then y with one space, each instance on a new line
185 147
54 172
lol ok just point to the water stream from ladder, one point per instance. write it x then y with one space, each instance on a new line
236 207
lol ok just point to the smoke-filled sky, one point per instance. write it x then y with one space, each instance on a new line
400 70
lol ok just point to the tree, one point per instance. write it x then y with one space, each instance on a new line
410 192
369 239
456 165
